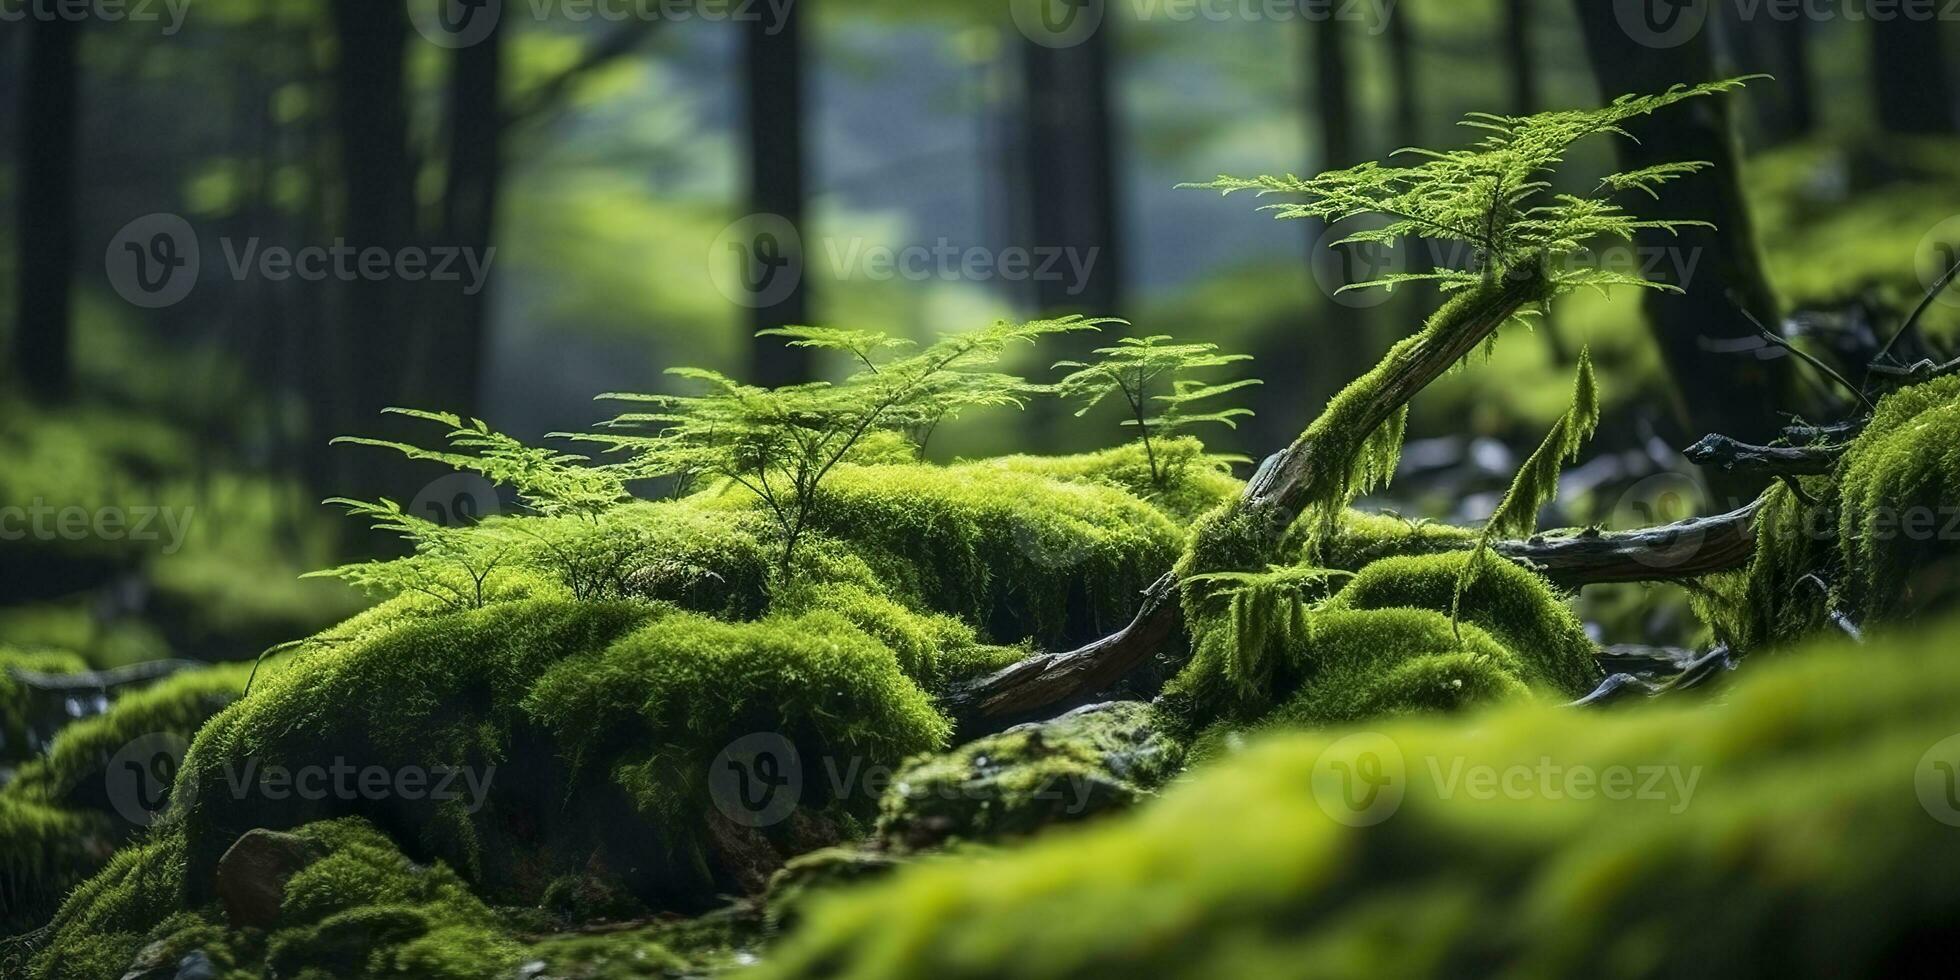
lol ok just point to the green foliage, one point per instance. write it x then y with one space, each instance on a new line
1776 817
17 741
1537 481
1495 196
546 482
1194 481
1135 369
781 444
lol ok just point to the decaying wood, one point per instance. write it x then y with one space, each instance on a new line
1726 454
1668 553
1050 682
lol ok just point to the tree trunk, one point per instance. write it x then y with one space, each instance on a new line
45 219
1774 46
377 182
1705 340
1909 76
1402 75
1521 69
776 172
453 363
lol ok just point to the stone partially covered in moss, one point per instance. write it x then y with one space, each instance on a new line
354 906
1087 762
1798 828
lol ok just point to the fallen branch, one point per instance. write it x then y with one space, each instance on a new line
100 681
1728 455
1048 682
1685 549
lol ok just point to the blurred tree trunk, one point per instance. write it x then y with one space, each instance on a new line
1068 219
452 361
45 218
1402 73
1719 391
1775 46
1071 175
776 173
1521 70
1333 112
363 351
1909 77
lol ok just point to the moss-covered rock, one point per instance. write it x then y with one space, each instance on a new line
358 908
1793 829
1195 482
1089 761
623 706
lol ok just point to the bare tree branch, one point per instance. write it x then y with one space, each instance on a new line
1730 456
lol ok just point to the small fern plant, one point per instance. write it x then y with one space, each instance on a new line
1536 483
1495 197
1147 373
454 565
780 444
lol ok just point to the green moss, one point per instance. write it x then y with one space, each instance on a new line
1880 535
662 701
71 772
1781 825
1362 537
359 909
1090 761
1196 482
933 649
1016 554
44 851
1898 500
1516 607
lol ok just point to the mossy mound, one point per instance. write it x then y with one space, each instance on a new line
1883 534
1785 828
1018 555
621 705
1384 644
1090 761
1194 481
1515 606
